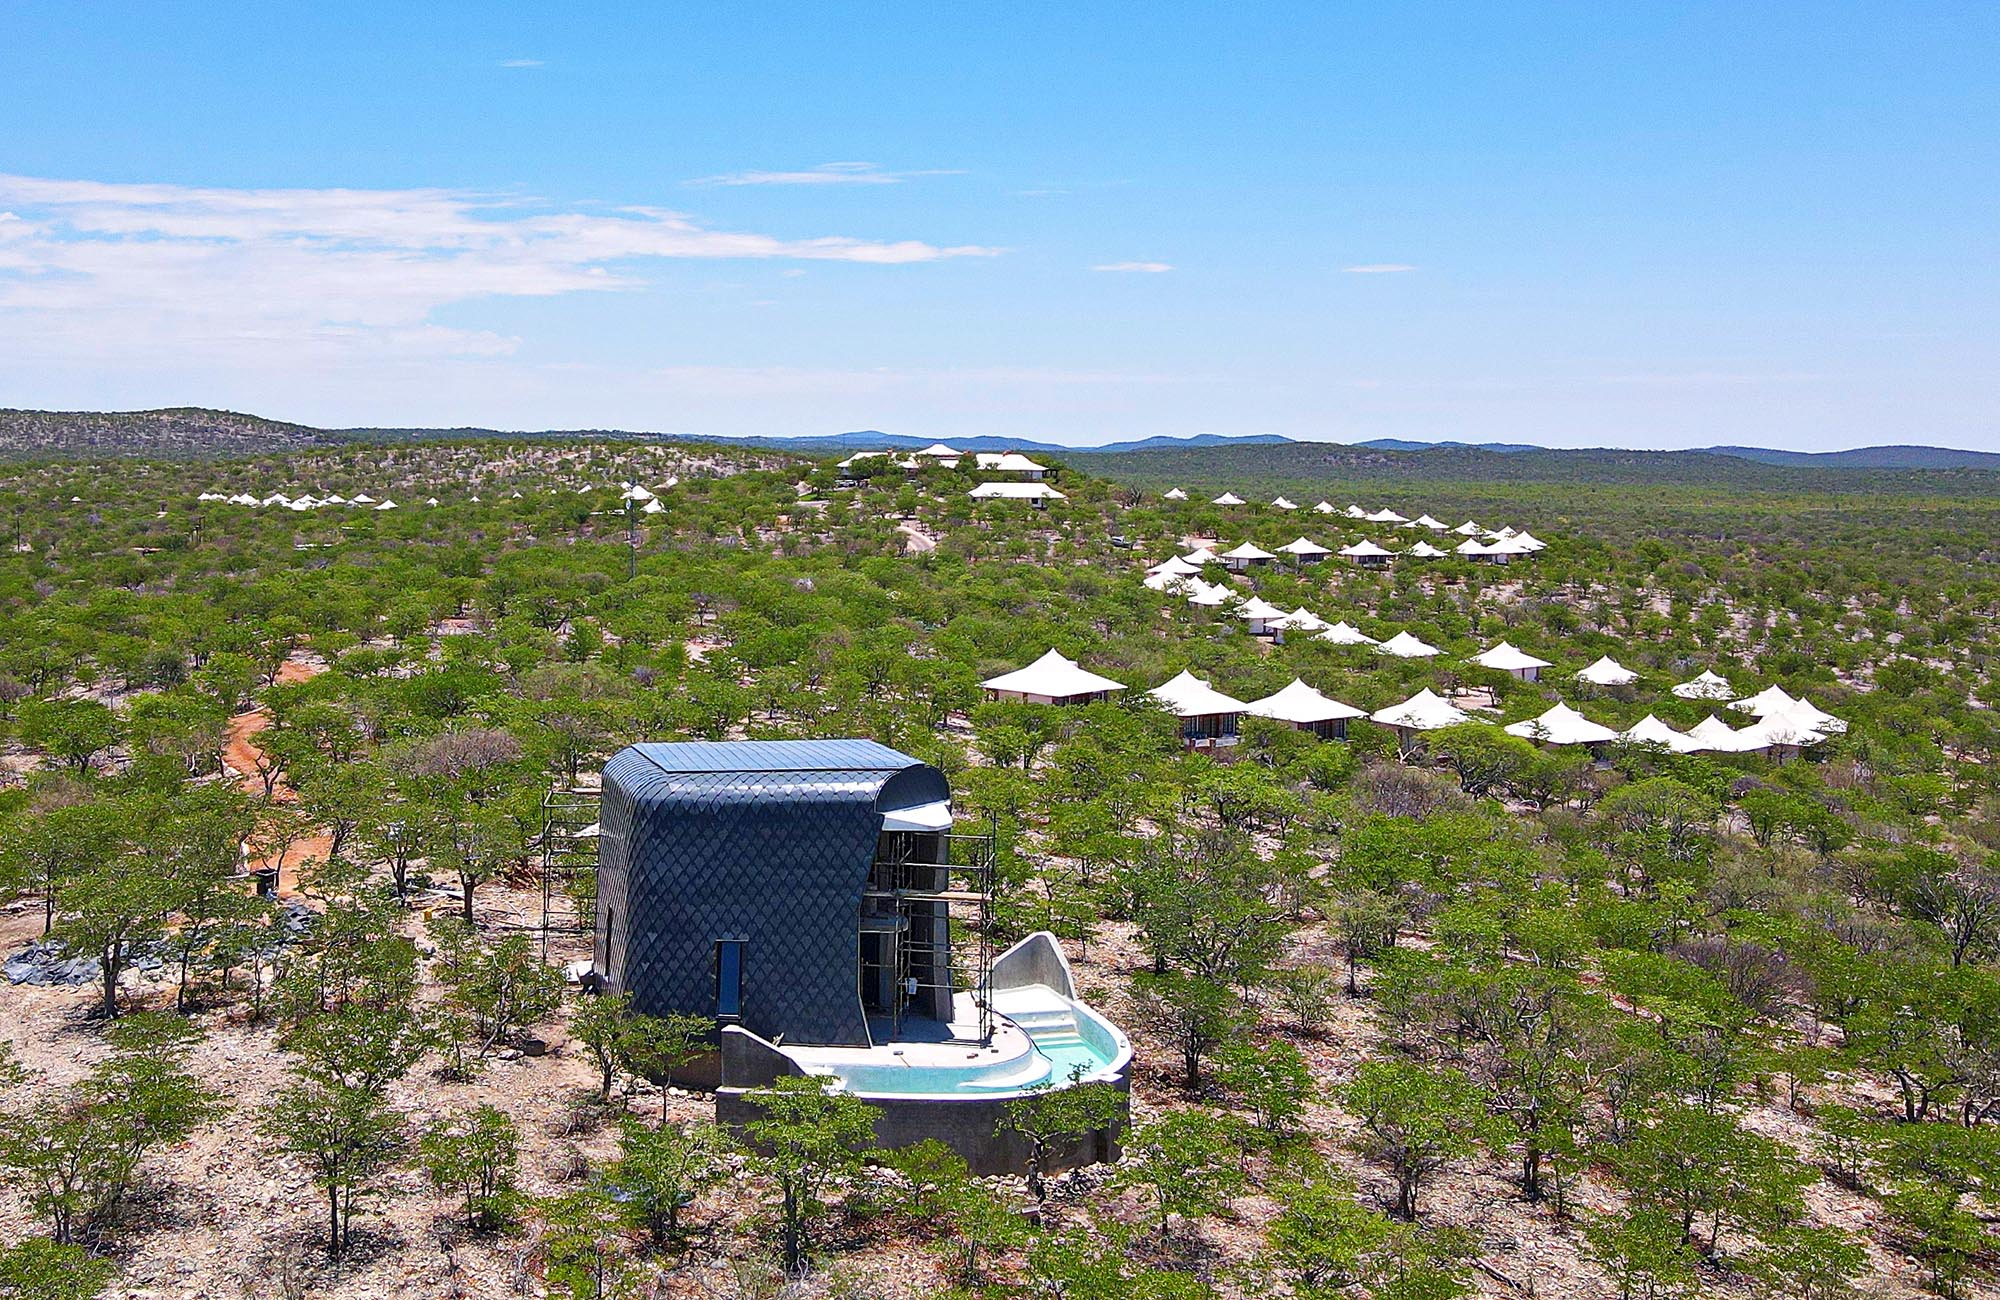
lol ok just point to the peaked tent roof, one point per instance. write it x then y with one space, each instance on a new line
1708 686
1248 551
1304 546
1201 555
1017 492
1325 508
1258 607
1187 696
1649 730
1812 715
1425 551
1052 675
1301 620
1508 658
1404 646
1765 702
1345 633
1007 462
1355 512
1174 494
1177 566
1364 549
1425 521
1301 703
1469 529
1227 499
1209 594
938 449
1607 672
1385 516
1283 504
1562 725
1716 736
1424 711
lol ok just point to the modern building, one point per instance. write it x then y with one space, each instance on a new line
812 898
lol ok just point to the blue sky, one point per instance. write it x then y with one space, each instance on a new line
1627 225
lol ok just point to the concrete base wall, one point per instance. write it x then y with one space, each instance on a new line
971 1127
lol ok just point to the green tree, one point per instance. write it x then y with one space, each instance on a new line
1416 1119
475 1158
346 1138
661 1171
41 1269
1188 1162
1048 1117
806 1137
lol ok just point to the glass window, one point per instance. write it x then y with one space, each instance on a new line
728 979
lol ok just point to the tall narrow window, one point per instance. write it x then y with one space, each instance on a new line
728 979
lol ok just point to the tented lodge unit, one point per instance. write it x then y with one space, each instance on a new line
1209 719
1052 679
1307 710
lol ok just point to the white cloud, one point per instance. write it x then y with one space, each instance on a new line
1143 268
833 173
1378 268
90 268
520 63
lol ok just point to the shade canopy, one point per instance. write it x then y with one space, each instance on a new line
1424 711
1053 676
1404 646
1708 686
1508 658
1227 499
1562 725
1187 696
1300 703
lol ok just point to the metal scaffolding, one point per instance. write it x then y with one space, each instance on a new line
568 852
955 892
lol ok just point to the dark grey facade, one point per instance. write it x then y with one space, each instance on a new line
750 862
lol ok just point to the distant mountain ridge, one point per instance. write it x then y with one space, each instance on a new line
196 432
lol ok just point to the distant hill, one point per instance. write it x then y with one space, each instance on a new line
1899 457
184 431
876 440
1404 444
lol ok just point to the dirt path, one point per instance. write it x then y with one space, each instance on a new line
240 755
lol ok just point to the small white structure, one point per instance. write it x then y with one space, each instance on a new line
1562 725
1052 679
1201 555
1425 521
1355 512
1469 529
1528 541
1209 719
1325 508
1425 551
386 504
1036 494
1306 709
854 460
1607 672
1281 503
1209 595
1345 633
1302 620
1009 462
1713 735
1765 702
1260 614
1473 549
1709 686
359 499
1304 551
1242 557
1424 711
1227 499
1367 554
1649 730
1404 646
1510 659
653 507
1808 714
430 501
939 451
1385 516
1174 494
1175 566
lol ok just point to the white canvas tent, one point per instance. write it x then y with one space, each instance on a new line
1425 551
1469 529
1708 686
1039 494
1174 494
1282 504
1713 735
1512 660
1345 633
1424 711
1052 679
1227 499
1425 521
1404 646
1325 508
1245 555
1386 516
1305 550
1355 512
1307 709
1562 725
1765 702
1367 554
1260 614
1607 672
1208 717
1649 730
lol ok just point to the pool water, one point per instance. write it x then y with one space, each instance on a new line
1058 1045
